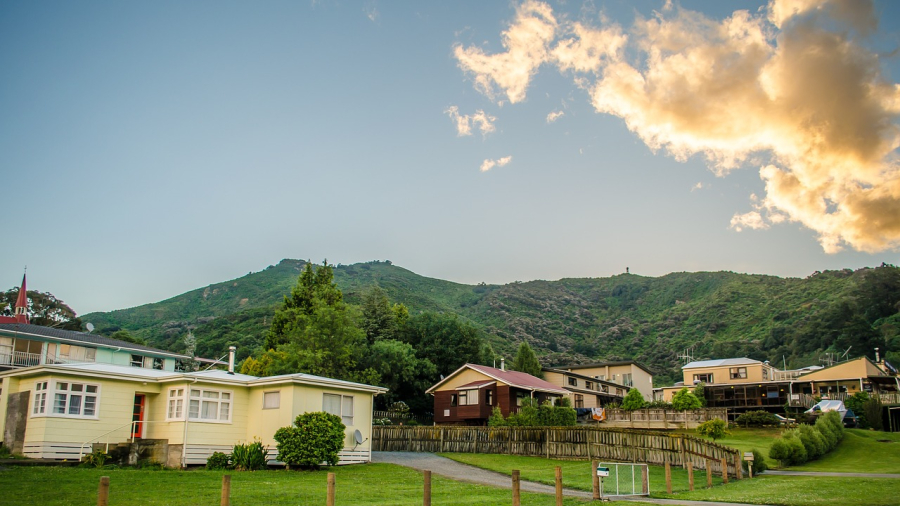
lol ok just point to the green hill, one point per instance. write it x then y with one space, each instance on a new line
653 320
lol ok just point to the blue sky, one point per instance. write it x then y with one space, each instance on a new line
147 149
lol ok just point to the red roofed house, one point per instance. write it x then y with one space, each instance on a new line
469 394
21 310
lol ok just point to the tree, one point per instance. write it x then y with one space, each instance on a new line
684 399
873 411
633 400
379 320
713 429
44 309
315 288
124 335
700 394
527 362
446 340
314 438
404 375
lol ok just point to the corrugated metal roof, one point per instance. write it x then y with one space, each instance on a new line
82 337
721 362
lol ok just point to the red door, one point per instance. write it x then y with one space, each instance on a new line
138 417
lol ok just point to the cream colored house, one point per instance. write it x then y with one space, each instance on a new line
626 373
585 391
59 411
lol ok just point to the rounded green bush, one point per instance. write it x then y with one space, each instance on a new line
315 438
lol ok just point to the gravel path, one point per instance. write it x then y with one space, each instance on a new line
462 472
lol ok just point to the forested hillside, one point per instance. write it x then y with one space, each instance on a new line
718 314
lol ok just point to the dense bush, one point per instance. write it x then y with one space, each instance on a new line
812 441
315 438
856 403
756 419
545 415
249 456
218 461
684 400
759 462
714 429
633 400
808 442
872 409
659 405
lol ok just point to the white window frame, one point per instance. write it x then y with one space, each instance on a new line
175 403
468 397
345 403
274 394
204 397
59 394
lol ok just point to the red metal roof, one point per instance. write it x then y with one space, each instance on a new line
476 384
518 379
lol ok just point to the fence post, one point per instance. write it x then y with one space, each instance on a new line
226 490
559 492
426 496
442 439
690 470
645 480
515 488
103 491
724 471
709 464
668 478
738 472
329 501
547 441
596 479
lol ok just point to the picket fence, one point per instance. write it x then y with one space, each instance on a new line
587 443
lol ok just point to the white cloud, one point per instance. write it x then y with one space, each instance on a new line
698 186
489 164
371 12
555 115
787 89
481 120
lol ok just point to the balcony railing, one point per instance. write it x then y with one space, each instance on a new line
19 359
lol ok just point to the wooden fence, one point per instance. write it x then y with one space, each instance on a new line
662 418
588 443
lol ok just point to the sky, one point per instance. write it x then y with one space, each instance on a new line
151 148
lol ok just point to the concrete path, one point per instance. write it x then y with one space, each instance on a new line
831 475
462 472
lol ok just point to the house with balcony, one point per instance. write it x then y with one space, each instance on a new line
585 391
469 394
624 374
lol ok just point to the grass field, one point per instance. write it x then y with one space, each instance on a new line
860 451
372 484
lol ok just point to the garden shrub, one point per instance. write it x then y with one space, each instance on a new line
633 400
700 393
811 440
684 400
496 419
714 429
96 458
759 462
856 403
545 415
758 418
249 456
563 402
315 438
873 410
218 461
780 451
659 405
797 451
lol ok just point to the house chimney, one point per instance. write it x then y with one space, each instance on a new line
231 359
877 359
502 364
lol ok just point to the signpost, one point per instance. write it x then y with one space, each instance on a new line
748 456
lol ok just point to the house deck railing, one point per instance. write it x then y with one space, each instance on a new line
20 359
667 415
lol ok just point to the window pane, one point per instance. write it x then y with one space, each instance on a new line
77 387
226 396
347 406
194 409
91 389
271 400
223 410
209 410
332 404
62 386
74 404
59 404
210 395
90 403
195 393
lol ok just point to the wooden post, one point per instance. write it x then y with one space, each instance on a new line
426 497
547 442
738 472
668 478
329 501
515 486
226 490
709 464
724 471
103 491
690 470
645 480
750 469
559 492
596 479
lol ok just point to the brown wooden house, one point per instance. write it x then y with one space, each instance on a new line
468 395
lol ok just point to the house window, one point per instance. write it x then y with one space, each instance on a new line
626 380
209 405
158 363
468 397
519 397
765 373
175 409
738 372
272 400
76 400
489 397
579 401
340 405
573 382
589 385
69 353
703 378
40 398
454 400
137 361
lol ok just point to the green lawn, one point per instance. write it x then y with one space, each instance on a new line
371 484
802 491
860 452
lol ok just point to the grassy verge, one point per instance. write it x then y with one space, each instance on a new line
576 474
802 491
372 484
860 452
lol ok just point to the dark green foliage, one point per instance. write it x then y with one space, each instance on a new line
405 375
532 415
218 461
807 442
96 458
556 416
249 456
496 419
856 403
124 335
797 450
446 340
315 438
780 451
43 309
700 394
759 462
527 362
713 429
659 405
563 402
633 400
684 400
758 418
811 440
314 290
379 319
873 412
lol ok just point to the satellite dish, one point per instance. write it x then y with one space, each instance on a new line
357 435
90 327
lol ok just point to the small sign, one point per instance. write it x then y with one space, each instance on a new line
603 472
748 456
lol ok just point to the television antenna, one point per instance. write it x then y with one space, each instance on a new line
687 356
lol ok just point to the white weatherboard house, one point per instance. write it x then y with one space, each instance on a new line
59 410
